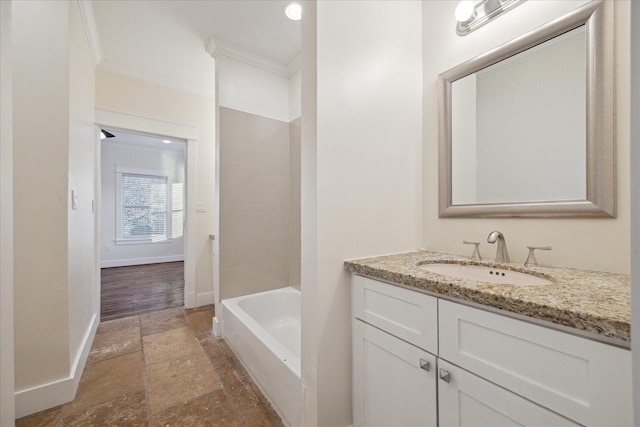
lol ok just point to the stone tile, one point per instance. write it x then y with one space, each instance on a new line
200 321
215 353
129 410
257 416
48 418
118 325
169 344
161 321
107 345
239 392
106 380
178 380
212 409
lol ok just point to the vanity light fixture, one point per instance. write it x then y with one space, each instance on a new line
471 16
293 11
166 141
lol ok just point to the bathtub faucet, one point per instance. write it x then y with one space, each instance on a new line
501 251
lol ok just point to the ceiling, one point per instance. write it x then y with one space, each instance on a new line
256 26
143 141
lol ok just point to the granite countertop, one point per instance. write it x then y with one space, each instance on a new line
591 301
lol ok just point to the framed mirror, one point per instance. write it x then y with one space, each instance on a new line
527 130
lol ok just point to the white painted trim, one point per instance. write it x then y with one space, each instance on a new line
148 126
190 248
140 261
44 396
151 78
91 29
295 65
635 209
145 241
222 47
132 123
217 327
204 298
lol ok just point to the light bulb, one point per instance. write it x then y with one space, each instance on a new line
293 11
464 10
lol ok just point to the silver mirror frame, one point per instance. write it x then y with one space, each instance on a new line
597 16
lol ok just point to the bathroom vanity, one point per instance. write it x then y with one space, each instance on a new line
432 349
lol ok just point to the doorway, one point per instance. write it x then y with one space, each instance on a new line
160 130
142 223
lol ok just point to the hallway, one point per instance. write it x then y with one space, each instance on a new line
161 369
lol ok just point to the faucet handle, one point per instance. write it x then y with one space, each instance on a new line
531 259
476 249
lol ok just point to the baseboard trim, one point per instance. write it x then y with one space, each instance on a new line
45 396
204 298
140 261
193 299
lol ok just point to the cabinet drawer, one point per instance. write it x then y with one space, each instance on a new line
409 315
584 380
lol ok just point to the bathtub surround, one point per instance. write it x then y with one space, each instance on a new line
295 140
254 203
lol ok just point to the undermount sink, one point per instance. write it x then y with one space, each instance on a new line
483 273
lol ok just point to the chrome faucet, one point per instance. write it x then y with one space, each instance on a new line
501 251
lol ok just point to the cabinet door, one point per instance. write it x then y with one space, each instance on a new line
394 382
468 400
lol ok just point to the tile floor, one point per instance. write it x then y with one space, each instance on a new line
161 369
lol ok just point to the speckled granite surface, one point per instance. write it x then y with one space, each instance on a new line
591 301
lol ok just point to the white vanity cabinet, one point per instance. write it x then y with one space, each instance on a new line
394 376
490 369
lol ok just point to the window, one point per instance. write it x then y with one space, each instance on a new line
148 208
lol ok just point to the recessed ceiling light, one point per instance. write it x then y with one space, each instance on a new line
166 141
293 11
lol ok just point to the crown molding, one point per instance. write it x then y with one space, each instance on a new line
217 47
91 29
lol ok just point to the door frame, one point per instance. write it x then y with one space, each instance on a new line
162 129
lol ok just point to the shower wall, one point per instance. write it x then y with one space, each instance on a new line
259 213
295 139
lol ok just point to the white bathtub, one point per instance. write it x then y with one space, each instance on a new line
263 330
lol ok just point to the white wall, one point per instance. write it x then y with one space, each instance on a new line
114 154
7 401
248 88
361 167
598 244
55 288
83 290
128 95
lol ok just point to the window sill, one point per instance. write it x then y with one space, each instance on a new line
142 241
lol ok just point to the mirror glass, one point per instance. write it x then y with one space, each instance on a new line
527 129
523 137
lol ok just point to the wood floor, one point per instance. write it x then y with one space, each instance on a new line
138 289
